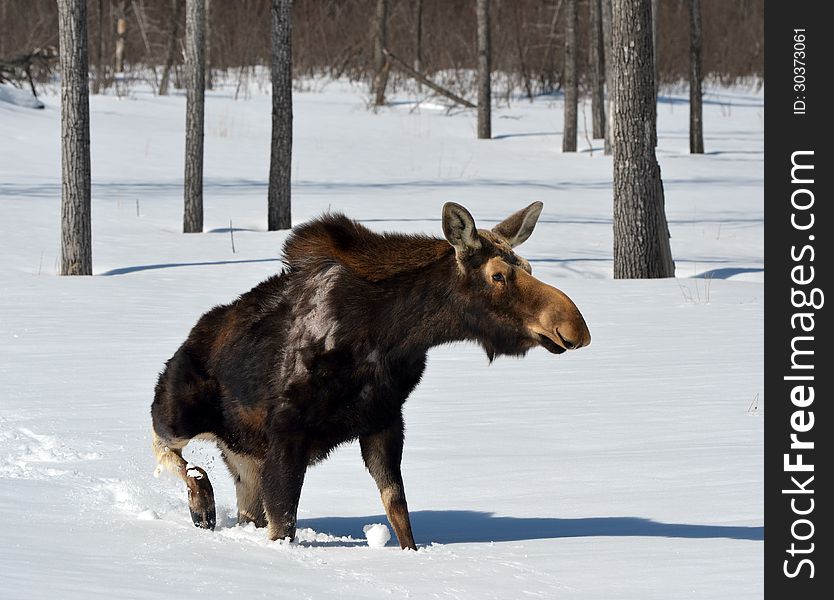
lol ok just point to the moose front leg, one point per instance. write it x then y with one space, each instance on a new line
281 481
382 453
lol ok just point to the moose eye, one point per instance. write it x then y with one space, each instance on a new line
498 277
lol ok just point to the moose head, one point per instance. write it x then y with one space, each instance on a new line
506 309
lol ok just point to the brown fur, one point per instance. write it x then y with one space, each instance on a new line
366 254
329 350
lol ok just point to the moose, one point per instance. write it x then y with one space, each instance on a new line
328 351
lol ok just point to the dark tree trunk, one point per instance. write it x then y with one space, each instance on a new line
418 36
195 71
380 43
597 55
280 163
655 25
641 234
609 72
171 54
696 125
571 83
484 71
76 244
209 77
99 47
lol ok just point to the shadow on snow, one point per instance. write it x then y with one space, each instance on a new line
726 272
134 269
467 526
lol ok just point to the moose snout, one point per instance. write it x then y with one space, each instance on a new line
562 322
574 335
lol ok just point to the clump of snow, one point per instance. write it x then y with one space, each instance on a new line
306 534
147 515
377 535
19 97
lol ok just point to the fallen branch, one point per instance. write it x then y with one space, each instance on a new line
402 66
36 64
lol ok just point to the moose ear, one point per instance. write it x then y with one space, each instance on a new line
517 228
459 228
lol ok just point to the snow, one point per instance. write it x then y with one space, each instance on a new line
19 96
377 535
629 469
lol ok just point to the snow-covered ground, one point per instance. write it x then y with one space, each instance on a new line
630 469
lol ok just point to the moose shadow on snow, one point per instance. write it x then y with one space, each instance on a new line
468 526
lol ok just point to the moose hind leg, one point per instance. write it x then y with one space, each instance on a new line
200 493
382 453
246 472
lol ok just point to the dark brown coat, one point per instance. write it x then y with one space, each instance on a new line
329 350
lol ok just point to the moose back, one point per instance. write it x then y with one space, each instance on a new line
328 351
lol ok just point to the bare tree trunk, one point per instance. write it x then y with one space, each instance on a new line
121 35
99 47
176 15
655 25
195 71
520 37
380 43
609 72
484 71
280 163
76 244
597 70
209 78
641 233
418 36
696 125
571 82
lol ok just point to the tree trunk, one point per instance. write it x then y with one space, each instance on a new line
418 36
655 25
76 244
209 77
696 125
380 43
280 163
609 73
99 47
195 71
641 234
597 55
484 71
171 54
121 35
571 83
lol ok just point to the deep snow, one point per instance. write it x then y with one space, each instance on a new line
630 469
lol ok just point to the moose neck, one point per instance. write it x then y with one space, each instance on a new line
419 309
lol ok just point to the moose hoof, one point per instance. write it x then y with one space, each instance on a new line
200 498
204 520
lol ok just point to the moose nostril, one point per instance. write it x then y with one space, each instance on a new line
569 345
